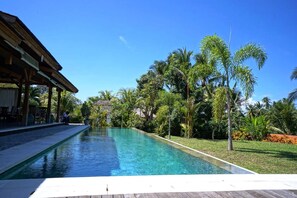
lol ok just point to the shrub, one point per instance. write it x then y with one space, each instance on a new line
162 121
76 119
281 138
257 127
241 135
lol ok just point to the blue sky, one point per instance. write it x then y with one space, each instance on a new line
107 45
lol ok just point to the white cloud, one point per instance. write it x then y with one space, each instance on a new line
251 101
123 40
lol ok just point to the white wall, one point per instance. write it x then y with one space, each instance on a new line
8 97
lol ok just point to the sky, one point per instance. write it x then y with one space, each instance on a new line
107 45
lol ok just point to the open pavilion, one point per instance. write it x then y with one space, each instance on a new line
24 61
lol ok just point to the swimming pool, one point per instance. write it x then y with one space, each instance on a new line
113 152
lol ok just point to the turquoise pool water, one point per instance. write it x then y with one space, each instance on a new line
113 152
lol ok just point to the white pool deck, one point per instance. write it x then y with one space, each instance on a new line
82 186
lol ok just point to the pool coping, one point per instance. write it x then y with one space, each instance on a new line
22 129
116 185
233 168
21 153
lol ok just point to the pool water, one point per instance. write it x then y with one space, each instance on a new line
113 152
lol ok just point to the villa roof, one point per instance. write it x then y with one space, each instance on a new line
20 50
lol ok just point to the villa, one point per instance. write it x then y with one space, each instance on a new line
24 61
73 161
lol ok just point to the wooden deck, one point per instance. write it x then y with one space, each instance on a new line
221 194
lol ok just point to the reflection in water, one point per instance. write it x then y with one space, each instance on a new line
87 154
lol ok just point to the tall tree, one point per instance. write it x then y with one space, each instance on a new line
232 68
105 95
169 113
68 101
159 68
267 102
283 115
180 63
293 94
34 96
204 71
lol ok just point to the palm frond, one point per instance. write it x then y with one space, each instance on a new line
294 74
246 79
251 51
293 95
276 130
218 48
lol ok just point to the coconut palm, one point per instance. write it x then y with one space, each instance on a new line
293 94
180 63
267 102
128 97
283 115
159 68
105 95
34 96
204 72
232 68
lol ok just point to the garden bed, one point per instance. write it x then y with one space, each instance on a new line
282 138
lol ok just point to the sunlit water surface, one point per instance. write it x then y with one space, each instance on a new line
113 152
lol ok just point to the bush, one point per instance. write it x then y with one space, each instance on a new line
287 139
162 121
76 119
257 127
241 135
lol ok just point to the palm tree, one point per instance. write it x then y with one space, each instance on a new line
68 101
283 115
232 68
34 96
181 63
160 68
293 94
267 102
204 71
128 97
105 95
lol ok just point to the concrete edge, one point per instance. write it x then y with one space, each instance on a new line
88 186
10 131
48 142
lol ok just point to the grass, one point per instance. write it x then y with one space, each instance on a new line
261 157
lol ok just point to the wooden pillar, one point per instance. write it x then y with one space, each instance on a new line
25 110
58 105
49 104
20 93
26 99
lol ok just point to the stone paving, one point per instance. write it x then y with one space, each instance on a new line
22 137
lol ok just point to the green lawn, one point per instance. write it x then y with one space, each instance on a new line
261 157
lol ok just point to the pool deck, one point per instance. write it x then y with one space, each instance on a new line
233 185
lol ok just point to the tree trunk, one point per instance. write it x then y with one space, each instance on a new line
169 132
49 104
230 144
188 113
58 105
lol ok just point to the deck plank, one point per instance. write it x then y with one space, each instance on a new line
212 194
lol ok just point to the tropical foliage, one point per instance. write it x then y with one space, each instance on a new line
293 94
203 95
